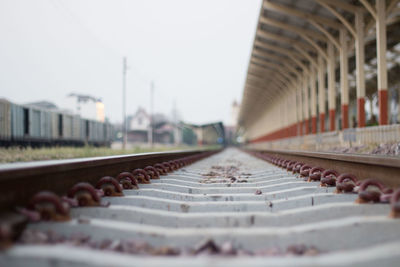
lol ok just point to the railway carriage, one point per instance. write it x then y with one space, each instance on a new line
31 125
5 121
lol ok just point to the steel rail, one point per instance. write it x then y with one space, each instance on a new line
20 181
231 205
383 168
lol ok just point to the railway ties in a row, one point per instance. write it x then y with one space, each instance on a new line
232 206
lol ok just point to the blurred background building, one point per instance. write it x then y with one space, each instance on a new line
141 125
231 127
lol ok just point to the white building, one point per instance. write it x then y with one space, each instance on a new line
140 121
164 131
86 106
230 128
234 113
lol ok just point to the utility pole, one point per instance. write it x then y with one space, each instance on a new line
151 113
174 111
175 122
124 122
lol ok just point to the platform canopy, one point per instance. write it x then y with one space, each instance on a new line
308 52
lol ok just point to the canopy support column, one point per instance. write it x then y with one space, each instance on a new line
306 106
360 73
300 110
331 86
321 93
295 111
313 101
344 82
381 58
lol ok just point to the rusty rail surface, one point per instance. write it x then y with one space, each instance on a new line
243 209
20 181
383 168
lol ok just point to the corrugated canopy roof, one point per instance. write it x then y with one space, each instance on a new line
290 34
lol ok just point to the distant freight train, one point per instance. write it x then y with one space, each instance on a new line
34 126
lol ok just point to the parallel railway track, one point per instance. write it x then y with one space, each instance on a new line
235 206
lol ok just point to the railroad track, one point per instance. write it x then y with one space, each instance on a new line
228 208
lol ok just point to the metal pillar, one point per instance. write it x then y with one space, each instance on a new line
286 112
331 86
321 93
294 108
306 106
381 59
344 82
313 102
360 74
300 110
281 108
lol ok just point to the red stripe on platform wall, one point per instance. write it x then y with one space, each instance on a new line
314 125
345 116
332 120
322 122
289 131
383 107
361 112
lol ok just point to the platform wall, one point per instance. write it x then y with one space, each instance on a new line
373 135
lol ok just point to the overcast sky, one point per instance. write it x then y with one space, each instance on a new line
196 52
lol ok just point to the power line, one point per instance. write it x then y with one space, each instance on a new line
73 18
